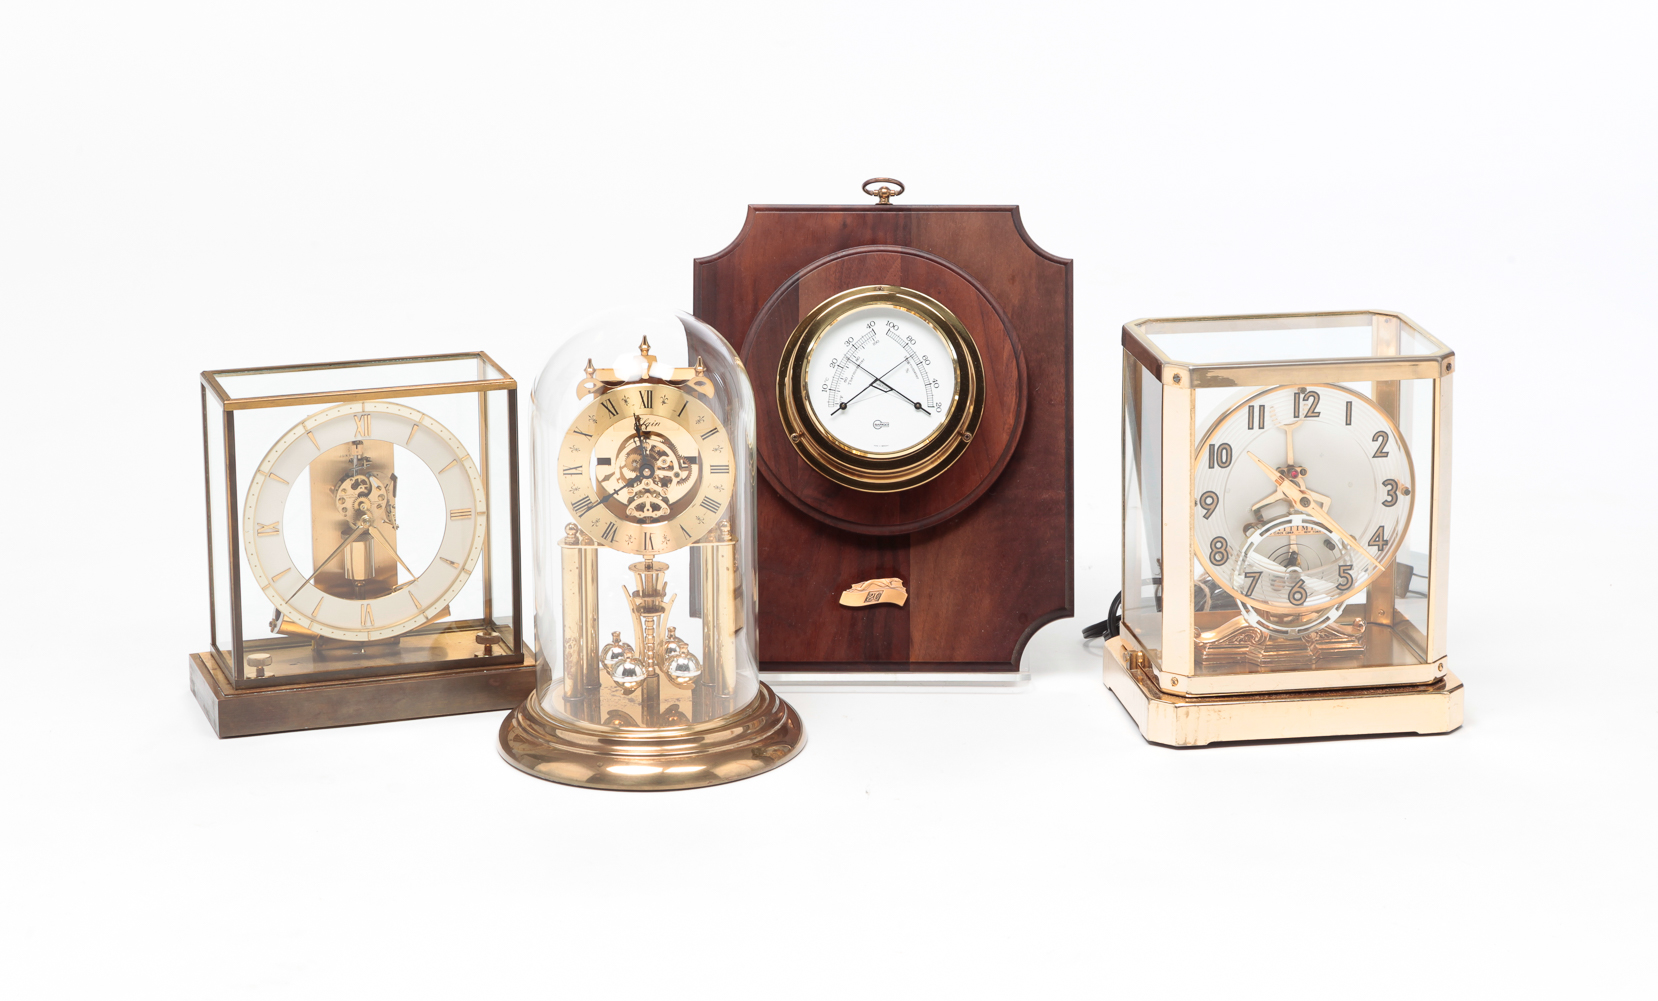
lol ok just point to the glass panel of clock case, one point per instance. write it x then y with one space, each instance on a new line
360 538
1312 490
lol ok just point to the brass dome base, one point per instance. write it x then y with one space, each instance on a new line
755 739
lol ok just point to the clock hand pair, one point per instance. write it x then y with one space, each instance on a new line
864 390
892 389
1304 499
348 540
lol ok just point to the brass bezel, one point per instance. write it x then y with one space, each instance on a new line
865 471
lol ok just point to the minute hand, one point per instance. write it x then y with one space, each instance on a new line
1303 500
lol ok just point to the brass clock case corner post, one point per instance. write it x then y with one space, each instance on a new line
863 470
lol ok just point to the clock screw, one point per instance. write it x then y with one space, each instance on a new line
1305 502
967 436
795 437
1175 378
489 640
259 661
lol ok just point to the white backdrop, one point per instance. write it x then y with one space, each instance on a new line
202 186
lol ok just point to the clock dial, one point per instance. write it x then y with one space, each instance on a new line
646 469
362 589
880 380
1303 495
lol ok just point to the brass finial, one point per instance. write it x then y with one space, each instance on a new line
645 346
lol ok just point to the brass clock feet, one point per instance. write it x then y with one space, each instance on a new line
754 739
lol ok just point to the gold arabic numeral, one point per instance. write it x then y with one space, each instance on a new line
610 407
460 513
710 504
1392 492
364 424
1220 456
609 533
1218 551
1208 501
1349 412
1344 576
366 616
1311 410
1298 593
582 506
1380 438
1257 417
1254 577
647 399
1379 539
719 470
274 528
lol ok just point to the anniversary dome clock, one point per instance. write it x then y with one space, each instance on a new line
645 580
912 371
363 530
1286 484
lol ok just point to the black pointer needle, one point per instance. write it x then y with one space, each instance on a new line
864 390
891 389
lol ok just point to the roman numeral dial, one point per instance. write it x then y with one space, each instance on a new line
364 521
646 469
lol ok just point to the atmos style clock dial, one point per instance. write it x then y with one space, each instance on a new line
1303 495
646 468
359 587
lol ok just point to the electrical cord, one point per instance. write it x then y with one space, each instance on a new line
1111 625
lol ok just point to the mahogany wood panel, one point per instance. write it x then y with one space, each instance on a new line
987 577
1003 413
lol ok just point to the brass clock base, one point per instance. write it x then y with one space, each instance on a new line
1180 721
755 739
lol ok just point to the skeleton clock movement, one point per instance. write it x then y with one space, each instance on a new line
912 374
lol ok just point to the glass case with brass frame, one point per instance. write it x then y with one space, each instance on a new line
362 526
1286 514
645 566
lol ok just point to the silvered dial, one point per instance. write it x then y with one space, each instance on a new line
362 589
880 380
1303 494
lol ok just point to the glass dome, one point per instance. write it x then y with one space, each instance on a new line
643 442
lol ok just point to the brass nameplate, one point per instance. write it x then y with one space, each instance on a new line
885 591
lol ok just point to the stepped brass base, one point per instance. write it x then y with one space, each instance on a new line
348 703
755 739
1181 721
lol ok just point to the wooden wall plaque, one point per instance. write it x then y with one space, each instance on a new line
985 549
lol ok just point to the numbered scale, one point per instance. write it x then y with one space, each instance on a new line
1316 584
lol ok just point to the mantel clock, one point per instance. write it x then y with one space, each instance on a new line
1286 517
363 540
912 368
645 576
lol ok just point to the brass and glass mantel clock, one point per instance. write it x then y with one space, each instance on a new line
1286 528
645 575
362 520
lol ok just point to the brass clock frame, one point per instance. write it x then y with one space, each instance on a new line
869 471
1172 698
